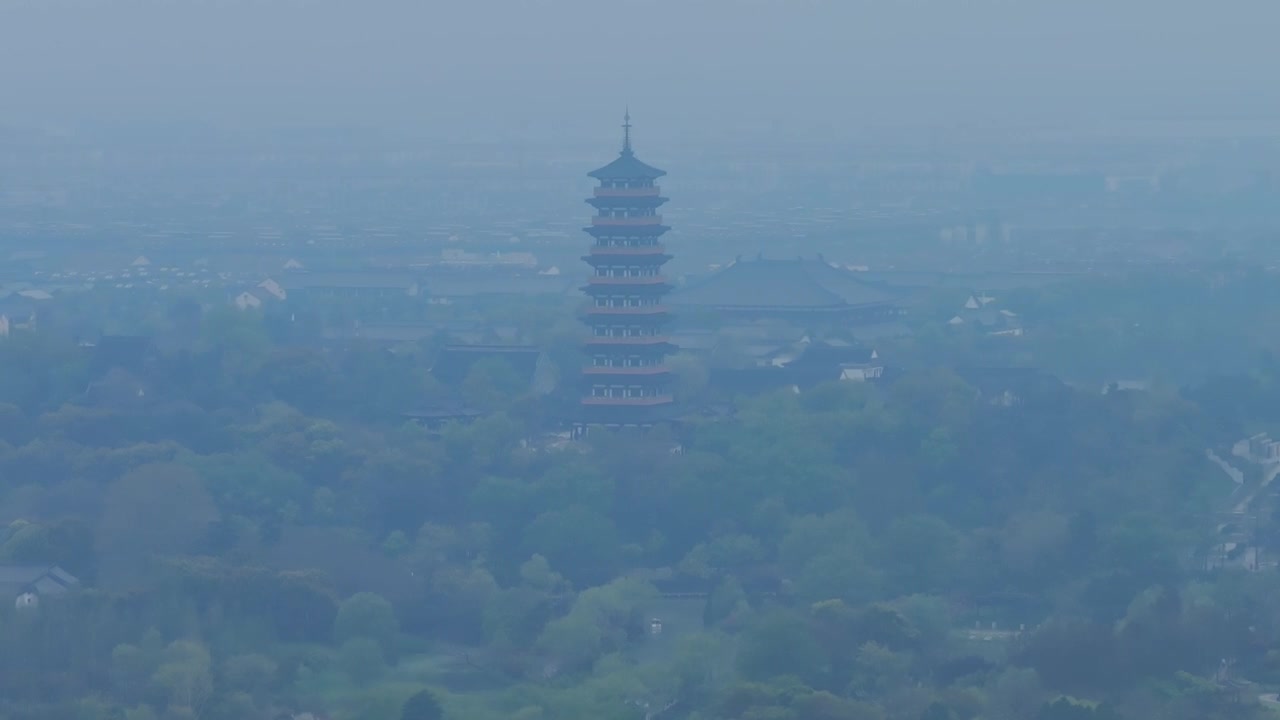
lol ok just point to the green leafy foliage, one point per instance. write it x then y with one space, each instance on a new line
260 533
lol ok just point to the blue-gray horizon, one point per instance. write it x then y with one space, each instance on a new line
693 71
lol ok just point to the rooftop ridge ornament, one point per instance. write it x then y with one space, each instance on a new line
626 131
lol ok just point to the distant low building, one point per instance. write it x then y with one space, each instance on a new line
1262 448
248 300
437 417
361 284
1131 385
800 366
804 292
22 308
447 285
1011 386
980 311
28 584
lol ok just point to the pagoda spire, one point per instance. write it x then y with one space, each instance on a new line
626 131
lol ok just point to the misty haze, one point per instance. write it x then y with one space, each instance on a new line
620 360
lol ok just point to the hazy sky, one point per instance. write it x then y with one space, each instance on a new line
693 69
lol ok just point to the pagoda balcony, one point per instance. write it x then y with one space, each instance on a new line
603 192
633 280
632 401
624 311
637 221
633 341
655 249
633 371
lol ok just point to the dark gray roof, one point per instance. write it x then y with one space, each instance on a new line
361 280
627 167
784 284
40 579
463 284
385 332
879 331
834 355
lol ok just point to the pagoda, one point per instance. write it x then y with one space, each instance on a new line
626 381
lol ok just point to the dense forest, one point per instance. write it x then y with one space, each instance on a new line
257 532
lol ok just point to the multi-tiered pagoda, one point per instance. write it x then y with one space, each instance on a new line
626 379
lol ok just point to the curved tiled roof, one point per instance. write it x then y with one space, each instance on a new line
784 284
627 167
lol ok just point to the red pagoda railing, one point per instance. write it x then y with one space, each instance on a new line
654 400
648 370
636 340
646 310
641 220
628 192
634 280
656 249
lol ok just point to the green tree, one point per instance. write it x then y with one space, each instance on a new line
251 673
363 660
367 615
423 705
154 509
185 675
780 643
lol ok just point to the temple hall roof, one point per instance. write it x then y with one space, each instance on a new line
627 167
787 284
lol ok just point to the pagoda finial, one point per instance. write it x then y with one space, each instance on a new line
626 131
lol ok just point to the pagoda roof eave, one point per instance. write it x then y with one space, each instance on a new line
625 230
619 202
638 258
844 307
624 289
664 348
627 167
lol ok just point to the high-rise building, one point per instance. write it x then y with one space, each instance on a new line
626 380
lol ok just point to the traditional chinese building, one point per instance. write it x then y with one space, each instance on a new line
806 293
626 382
